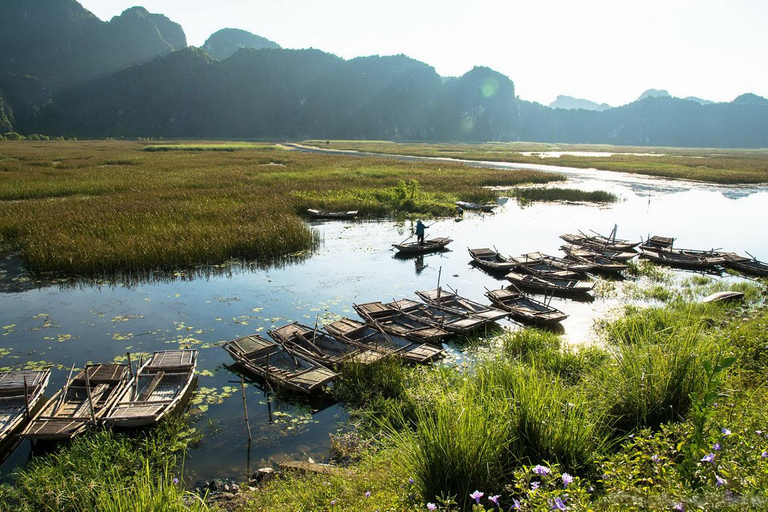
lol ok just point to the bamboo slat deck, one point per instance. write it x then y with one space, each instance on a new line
377 339
14 403
741 263
599 241
524 308
534 258
161 386
549 285
490 260
439 317
266 359
69 412
321 347
592 252
393 321
460 305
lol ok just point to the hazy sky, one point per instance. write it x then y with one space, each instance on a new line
603 50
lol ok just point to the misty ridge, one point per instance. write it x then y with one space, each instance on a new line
64 72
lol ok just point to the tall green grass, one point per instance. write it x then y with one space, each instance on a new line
529 195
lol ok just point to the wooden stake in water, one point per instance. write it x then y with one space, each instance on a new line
245 410
26 398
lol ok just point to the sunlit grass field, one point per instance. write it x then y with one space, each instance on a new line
112 206
727 166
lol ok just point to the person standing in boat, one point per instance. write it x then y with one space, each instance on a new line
420 227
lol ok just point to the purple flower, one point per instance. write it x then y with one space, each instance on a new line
591 489
367 494
679 506
333 502
567 479
495 499
515 504
431 506
655 458
175 480
720 481
476 496
708 458
764 455
541 470
558 505
534 486
725 431
716 447
410 481
759 432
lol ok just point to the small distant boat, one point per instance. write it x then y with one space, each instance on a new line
573 265
375 338
393 321
524 308
600 242
82 403
487 207
433 244
460 305
741 263
590 252
491 260
20 393
549 285
451 321
159 388
268 360
321 347
323 214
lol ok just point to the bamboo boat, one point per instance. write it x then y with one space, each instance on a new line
751 266
573 265
525 309
600 262
488 207
455 303
599 242
159 388
457 323
490 260
321 347
549 285
323 214
431 245
83 402
577 251
544 269
374 337
268 360
20 393
682 258
393 321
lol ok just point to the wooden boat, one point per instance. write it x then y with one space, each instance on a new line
160 387
659 242
458 323
723 297
476 206
20 393
375 338
491 260
549 285
741 263
599 242
524 308
393 321
83 402
460 305
321 347
268 360
323 214
576 251
544 269
573 265
682 258
431 245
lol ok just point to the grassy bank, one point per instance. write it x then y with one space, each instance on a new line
528 195
94 207
668 413
710 165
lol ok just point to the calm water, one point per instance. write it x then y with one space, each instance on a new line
71 323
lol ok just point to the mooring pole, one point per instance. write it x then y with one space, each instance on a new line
245 410
88 391
26 397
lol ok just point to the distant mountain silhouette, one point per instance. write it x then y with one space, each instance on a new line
698 100
571 103
224 43
750 99
654 93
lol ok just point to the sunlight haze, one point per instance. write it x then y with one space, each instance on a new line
604 51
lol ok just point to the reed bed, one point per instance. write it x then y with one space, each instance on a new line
106 207
528 195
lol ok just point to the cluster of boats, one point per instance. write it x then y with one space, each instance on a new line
116 395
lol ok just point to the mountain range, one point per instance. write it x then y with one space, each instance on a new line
64 72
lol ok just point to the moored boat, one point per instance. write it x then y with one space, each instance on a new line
741 263
429 245
82 403
549 285
465 205
682 258
590 252
159 387
455 303
458 323
270 361
573 265
524 308
20 393
312 343
323 214
374 337
393 321
600 242
491 260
